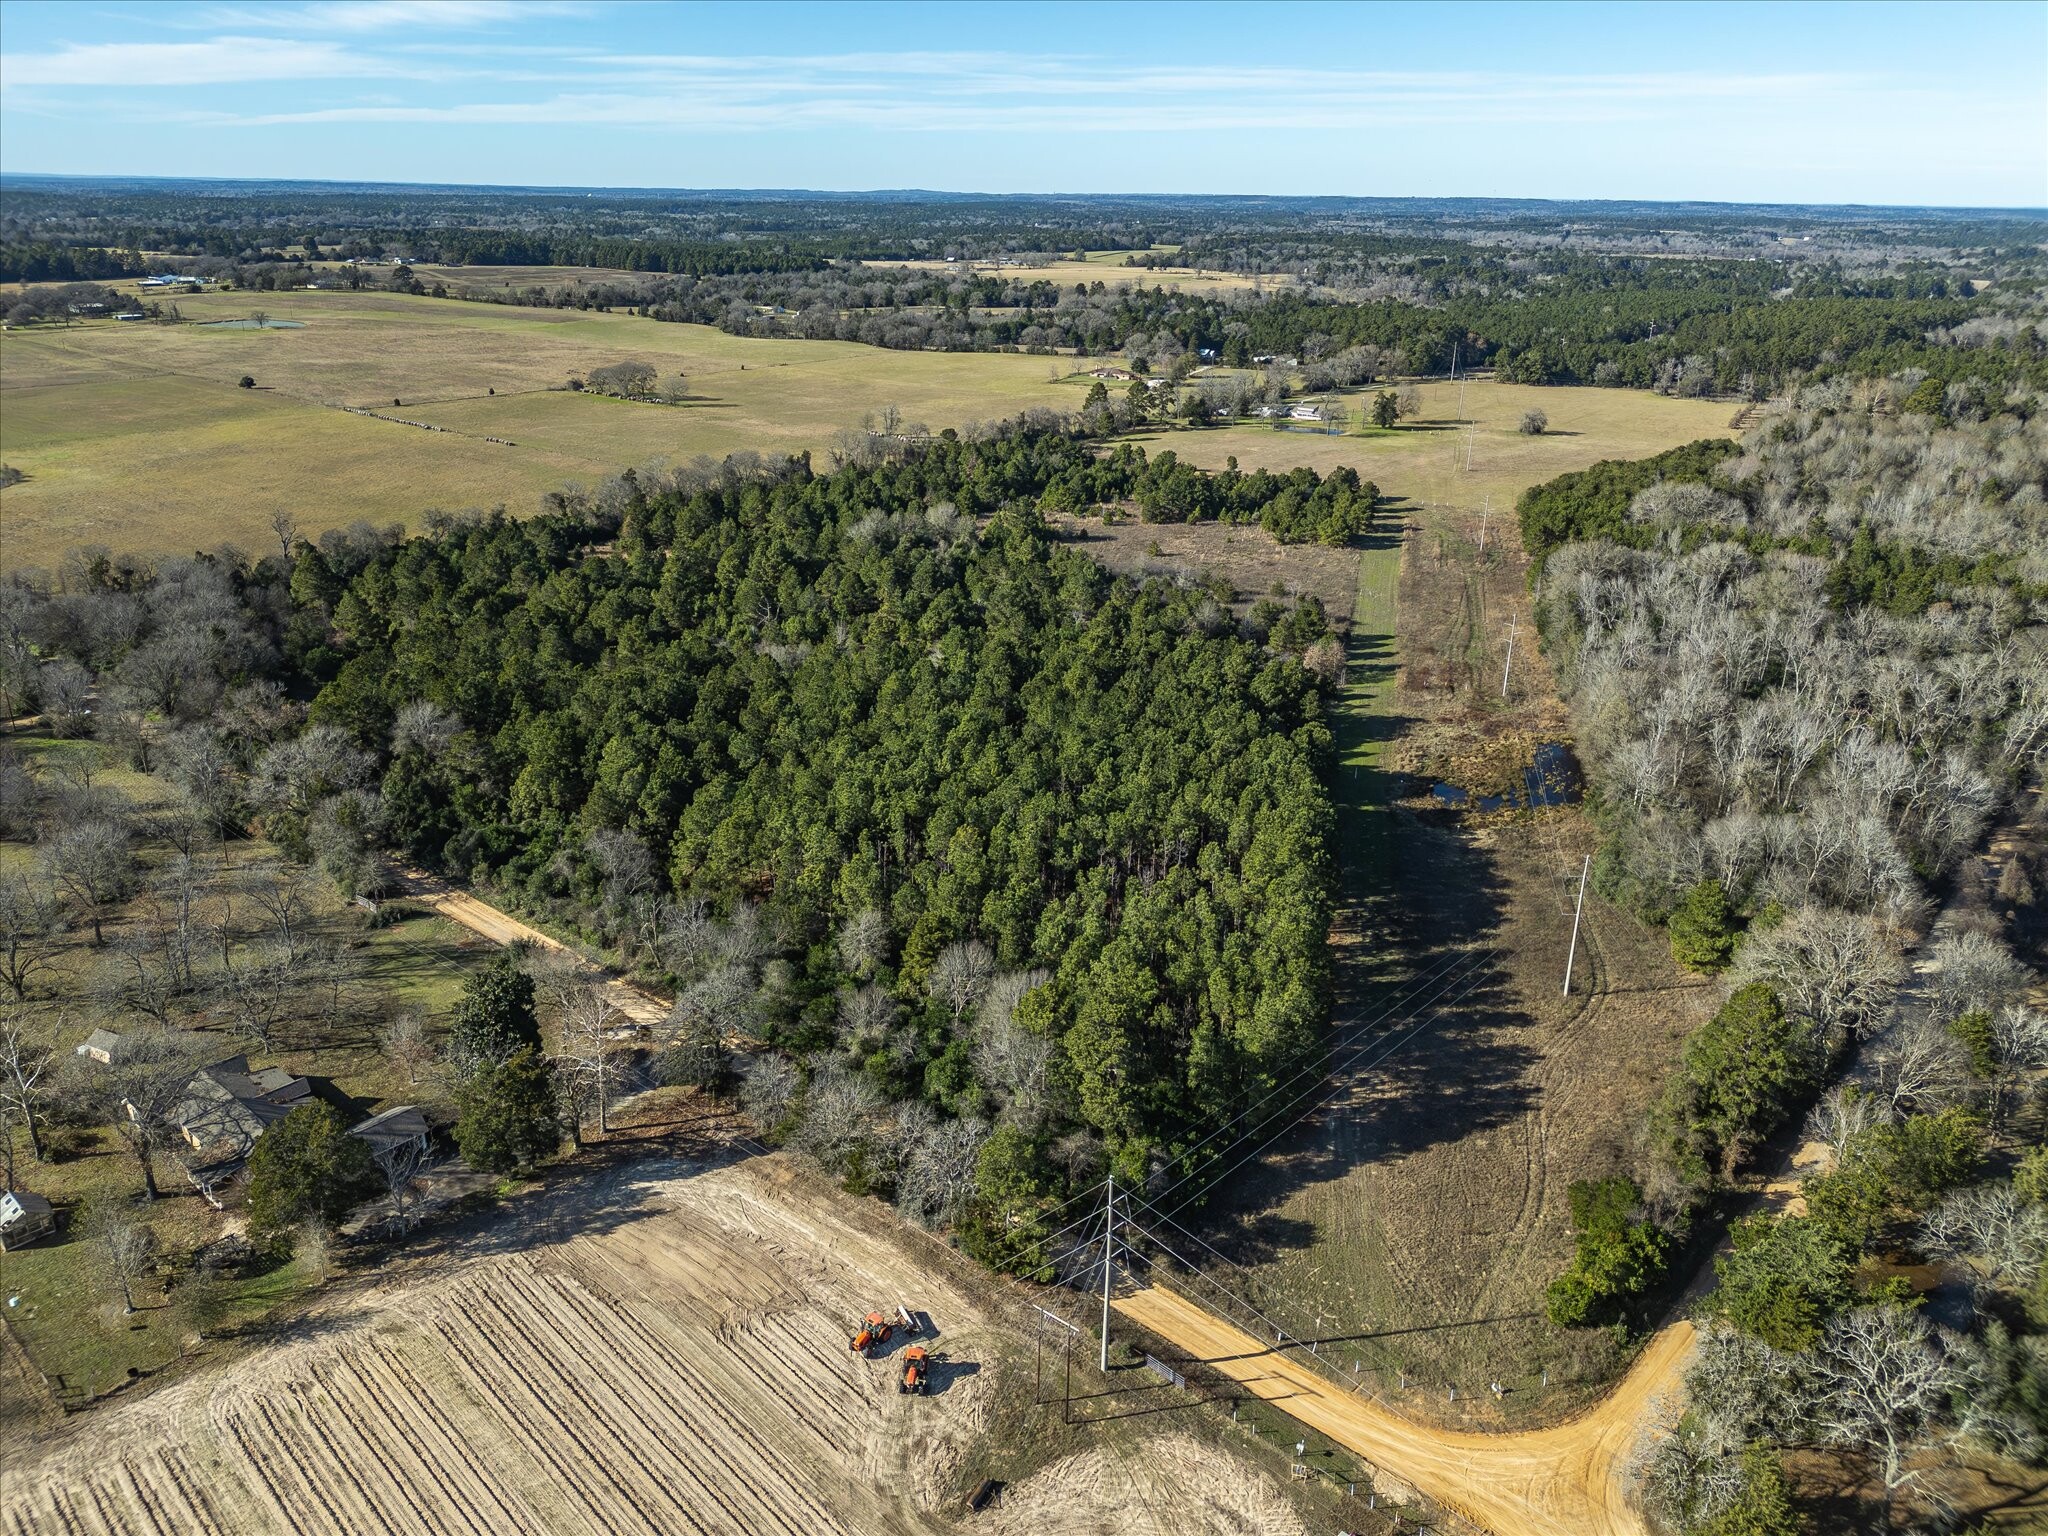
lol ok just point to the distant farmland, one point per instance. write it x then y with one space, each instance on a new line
136 436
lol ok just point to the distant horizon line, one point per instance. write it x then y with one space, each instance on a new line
2015 211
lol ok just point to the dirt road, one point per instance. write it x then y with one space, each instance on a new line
1563 1481
502 928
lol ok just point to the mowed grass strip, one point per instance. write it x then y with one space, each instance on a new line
136 436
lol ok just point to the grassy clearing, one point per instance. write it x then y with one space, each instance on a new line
137 436
1423 463
1426 1211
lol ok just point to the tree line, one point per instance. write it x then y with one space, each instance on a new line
1808 676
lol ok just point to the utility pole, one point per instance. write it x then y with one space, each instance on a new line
1514 620
1573 953
1108 1258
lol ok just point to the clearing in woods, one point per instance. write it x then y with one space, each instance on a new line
1423 1211
662 1348
1423 462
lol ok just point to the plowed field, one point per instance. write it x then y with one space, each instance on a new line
684 1371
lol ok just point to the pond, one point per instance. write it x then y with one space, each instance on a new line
254 325
1552 778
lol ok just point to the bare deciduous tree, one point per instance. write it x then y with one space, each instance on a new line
2019 1046
28 931
140 1094
938 1157
768 1085
844 1114
1836 968
28 1061
125 1245
424 727
92 863
283 893
1920 1066
590 1056
959 976
627 884
2001 1236
1014 1061
864 942
1877 1383
1844 1111
401 1165
408 1044
1973 970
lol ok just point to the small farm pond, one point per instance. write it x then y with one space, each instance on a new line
1552 778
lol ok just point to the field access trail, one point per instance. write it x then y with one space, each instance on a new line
1563 1481
499 927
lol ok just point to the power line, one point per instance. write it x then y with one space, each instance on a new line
1317 1070
1475 973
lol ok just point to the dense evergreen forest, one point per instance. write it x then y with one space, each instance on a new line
1809 675
979 867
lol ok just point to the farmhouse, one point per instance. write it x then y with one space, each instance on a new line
24 1218
395 1130
103 1046
227 1107
172 280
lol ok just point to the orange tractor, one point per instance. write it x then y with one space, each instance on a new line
875 1332
914 1366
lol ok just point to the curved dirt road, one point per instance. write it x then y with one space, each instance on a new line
1562 1481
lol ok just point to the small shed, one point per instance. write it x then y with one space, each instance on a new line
24 1218
103 1046
394 1130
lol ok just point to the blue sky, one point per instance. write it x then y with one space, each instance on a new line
1889 103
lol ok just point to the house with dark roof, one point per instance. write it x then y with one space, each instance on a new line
227 1107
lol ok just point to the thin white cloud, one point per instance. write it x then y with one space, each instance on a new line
917 91
712 101
218 61
370 16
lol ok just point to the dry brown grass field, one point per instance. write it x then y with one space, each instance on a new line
1251 560
1105 267
136 435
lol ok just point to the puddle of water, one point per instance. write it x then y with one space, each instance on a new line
1552 778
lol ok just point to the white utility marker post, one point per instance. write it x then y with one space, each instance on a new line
1572 953
1514 621
1108 1253
1484 516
